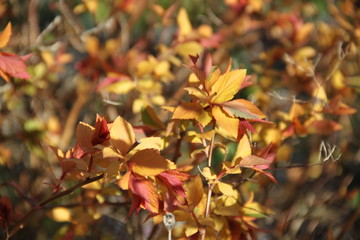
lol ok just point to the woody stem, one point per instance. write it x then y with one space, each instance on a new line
210 187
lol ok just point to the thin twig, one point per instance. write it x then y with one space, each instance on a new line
48 200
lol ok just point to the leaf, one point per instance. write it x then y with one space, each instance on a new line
324 127
251 161
123 183
183 21
61 214
191 228
225 189
337 107
199 94
5 35
188 48
174 182
243 109
243 149
145 194
269 175
149 162
194 191
194 111
122 135
84 133
225 122
12 65
227 85
101 133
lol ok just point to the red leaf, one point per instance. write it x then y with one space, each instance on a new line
13 65
102 132
144 194
174 181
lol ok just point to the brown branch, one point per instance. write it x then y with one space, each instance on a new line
53 197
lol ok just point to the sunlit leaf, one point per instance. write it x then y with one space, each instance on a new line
149 162
61 214
225 122
122 135
5 35
183 21
227 85
243 109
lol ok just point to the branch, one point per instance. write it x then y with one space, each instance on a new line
22 221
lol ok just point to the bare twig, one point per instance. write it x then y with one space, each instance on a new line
52 198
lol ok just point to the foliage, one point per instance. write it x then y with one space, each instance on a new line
222 119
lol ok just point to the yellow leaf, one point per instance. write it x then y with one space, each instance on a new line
225 189
5 35
147 143
123 183
183 22
122 135
91 5
120 87
320 94
48 58
208 173
271 135
61 214
207 222
194 191
191 228
189 48
243 149
338 80
190 110
149 162
199 94
225 123
162 69
92 45
227 85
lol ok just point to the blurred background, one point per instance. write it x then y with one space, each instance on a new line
115 57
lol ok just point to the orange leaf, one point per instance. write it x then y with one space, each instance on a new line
190 110
149 162
84 133
194 191
5 35
243 109
324 127
122 135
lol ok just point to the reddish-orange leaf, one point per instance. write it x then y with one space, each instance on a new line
12 65
174 181
243 109
5 35
337 107
324 127
144 192
101 133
